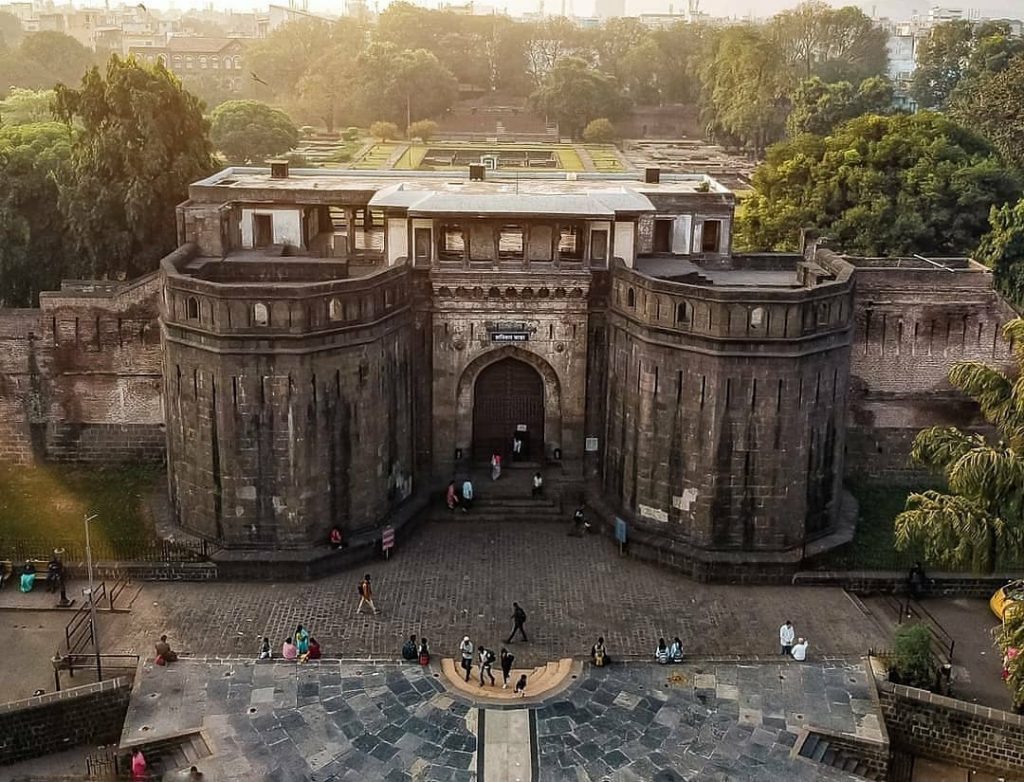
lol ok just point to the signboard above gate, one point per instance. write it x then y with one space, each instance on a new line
505 331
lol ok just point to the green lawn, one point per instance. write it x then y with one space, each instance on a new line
874 544
44 506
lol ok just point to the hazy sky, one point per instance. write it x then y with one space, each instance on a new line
891 8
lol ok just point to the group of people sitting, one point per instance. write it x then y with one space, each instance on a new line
54 575
413 650
298 648
669 653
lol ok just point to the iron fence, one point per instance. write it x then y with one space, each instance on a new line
132 550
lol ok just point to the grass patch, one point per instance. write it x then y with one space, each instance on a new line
376 156
44 506
606 160
874 544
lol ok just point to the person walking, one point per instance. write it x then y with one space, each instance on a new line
507 658
466 650
495 466
786 636
486 661
538 484
366 595
451 497
467 495
518 620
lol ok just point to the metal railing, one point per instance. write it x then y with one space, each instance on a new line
942 644
18 550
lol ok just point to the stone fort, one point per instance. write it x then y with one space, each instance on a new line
327 347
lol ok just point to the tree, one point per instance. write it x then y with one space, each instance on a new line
960 51
61 57
747 88
1002 250
819 107
143 139
836 44
574 93
280 60
34 252
326 92
981 516
993 105
385 131
600 131
402 85
247 130
24 107
425 129
1010 638
891 185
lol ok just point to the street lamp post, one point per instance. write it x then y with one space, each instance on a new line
64 602
92 601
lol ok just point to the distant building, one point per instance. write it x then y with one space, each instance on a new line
609 9
190 56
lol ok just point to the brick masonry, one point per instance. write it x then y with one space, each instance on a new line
91 714
965 734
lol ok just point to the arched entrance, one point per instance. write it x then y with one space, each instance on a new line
508 398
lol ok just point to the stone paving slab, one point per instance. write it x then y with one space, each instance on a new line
339 720
457 578
670 723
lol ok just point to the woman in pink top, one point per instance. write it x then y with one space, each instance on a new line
138 765
289 651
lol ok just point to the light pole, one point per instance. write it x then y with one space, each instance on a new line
92 601
64 602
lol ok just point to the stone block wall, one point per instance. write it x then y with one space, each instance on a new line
80 377
91 714
958 732
912 322
721 434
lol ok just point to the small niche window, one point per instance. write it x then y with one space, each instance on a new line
452 246
510 242
192 308
757 317
334 310
260 314
631 298
569 244
824 313
684 312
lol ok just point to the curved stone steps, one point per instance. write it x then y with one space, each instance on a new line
541 682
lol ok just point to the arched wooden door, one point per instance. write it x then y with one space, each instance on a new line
508 397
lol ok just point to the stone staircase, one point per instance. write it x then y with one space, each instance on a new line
819 749
541 682
510 499
171 754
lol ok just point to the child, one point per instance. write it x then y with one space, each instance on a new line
264 649
520 688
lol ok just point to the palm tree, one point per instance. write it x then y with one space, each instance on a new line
980 521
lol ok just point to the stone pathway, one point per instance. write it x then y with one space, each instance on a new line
332 721
457 578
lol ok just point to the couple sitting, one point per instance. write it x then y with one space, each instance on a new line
669 653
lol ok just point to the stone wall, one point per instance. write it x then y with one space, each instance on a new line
80 378
290 408
726 410
91 714
961 733
912 322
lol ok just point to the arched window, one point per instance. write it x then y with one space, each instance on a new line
237 62
188 61
631 298
214 63
192 308
334 310
683 312
227 62
260 314
757 317
202 61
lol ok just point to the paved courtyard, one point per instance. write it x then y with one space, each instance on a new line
382 721
457 578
